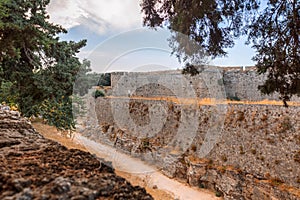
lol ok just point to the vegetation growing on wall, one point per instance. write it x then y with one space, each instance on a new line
98 93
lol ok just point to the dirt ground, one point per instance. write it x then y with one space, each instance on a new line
64 139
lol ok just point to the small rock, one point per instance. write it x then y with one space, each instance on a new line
62 185
79 197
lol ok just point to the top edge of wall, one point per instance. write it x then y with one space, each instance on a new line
178 71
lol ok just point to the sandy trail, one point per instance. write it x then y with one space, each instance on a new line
153 178
134 170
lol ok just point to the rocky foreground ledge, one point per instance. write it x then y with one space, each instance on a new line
33 167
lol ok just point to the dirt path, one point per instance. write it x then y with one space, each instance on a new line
152 177
158 185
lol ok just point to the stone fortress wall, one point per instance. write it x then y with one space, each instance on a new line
238 83
256 156
257 151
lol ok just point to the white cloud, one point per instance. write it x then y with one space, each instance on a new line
64 12
99 16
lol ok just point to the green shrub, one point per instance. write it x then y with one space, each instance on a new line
98 93
233 98
104 80
7 93
201 185
221 81
218 193
57 112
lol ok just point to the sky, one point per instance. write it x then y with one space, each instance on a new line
117 40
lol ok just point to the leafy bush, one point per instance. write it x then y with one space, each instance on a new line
7 93
58 113
104 80
221 81
233 98
98 93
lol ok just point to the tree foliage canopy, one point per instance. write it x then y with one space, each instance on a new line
275 35
41 68
213 24
85 80
273 31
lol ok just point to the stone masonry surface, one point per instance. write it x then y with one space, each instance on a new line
257 155
236 82
32 167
